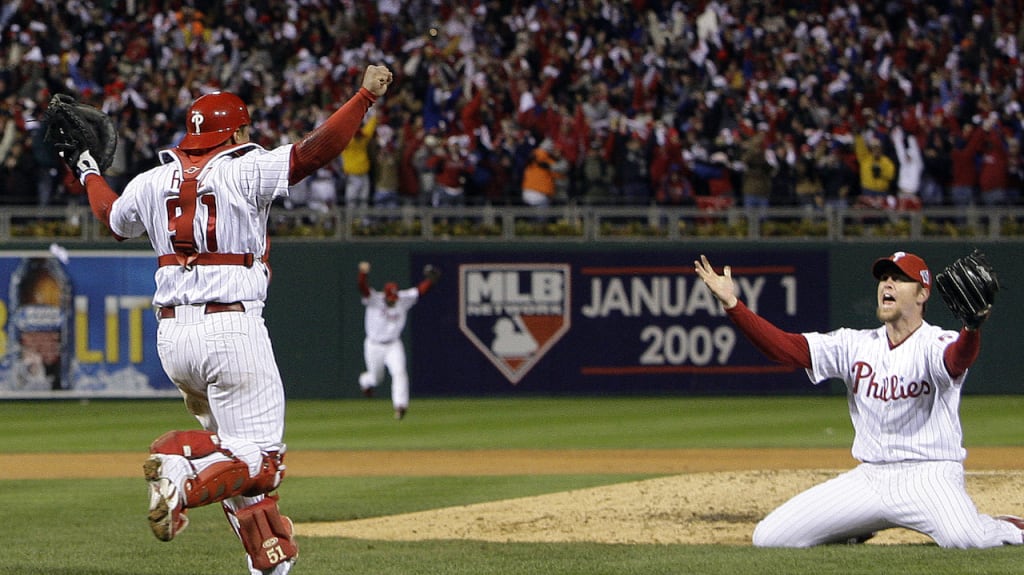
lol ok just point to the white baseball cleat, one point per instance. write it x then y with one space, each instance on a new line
166 510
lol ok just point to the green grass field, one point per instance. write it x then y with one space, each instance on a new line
98 527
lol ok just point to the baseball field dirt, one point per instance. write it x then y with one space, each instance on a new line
702 496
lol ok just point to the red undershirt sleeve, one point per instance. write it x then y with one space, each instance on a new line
364 285
101 199
789 349
327 140
961 354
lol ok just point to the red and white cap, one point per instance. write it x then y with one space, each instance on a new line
909 264
391 292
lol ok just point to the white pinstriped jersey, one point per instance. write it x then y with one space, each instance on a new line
236 189
903 403
384 323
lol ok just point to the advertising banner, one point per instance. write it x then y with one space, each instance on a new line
608 323
79 324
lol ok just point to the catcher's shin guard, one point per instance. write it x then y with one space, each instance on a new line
189 444
268 536
230 478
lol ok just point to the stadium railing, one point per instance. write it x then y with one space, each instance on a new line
569 222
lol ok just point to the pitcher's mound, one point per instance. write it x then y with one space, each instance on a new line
696 508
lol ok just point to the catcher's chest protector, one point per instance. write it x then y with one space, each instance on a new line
185 248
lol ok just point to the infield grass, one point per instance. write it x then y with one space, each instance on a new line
97 526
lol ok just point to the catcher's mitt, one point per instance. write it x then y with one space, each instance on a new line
73 128
431 273
969 286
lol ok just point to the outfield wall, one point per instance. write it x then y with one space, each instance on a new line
540 318
628 343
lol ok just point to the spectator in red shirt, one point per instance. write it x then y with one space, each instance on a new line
993 178
963 189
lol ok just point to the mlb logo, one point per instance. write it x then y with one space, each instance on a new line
514 313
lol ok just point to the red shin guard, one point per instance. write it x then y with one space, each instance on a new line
226 479
266 534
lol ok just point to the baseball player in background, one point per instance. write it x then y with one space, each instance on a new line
903 384
205 211
386 312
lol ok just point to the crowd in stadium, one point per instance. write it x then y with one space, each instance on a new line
738 102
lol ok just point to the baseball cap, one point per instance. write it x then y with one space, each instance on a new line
909 264
391 291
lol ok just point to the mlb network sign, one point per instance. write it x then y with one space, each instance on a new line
583 322
514 313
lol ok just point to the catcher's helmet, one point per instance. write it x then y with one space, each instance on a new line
212 119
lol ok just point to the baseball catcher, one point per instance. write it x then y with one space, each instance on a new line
83 136
969 286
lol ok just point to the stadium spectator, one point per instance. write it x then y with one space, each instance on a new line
356 164
756 186
385 167
1014 169
451 168
937 173
598 173
877 171
838 177
808 186
538 188
426 160
808 71
993 178
963 189
633 169
675 189
782 158
911 167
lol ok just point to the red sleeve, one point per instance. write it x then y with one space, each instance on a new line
364 285
471 112
961 354
779 346
975 141
425 285
327 141
101 199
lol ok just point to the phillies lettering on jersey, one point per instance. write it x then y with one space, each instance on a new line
903 401
888 388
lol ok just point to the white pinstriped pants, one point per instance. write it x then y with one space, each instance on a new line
224 365
390 356
929 497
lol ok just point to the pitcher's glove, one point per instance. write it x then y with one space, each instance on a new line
82 135
969 286
431 273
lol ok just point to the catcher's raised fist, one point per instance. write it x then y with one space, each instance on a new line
376 79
